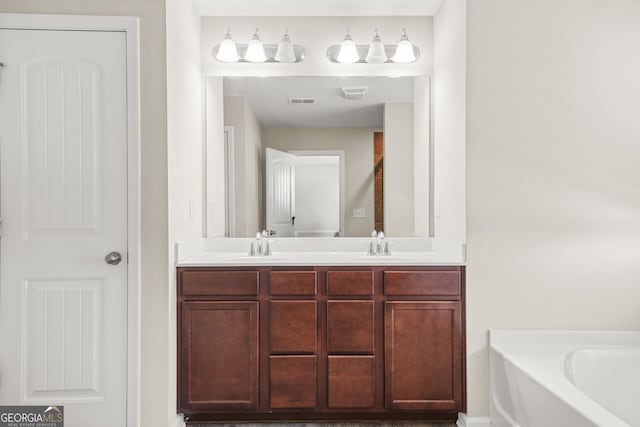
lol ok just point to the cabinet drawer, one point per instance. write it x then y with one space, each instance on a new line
219 283
292 283
422 283
350 283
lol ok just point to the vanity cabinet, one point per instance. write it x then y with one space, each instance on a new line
320 343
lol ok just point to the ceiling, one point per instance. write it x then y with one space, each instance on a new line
269 99
317 7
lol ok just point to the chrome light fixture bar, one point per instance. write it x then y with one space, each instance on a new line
257 52
375 53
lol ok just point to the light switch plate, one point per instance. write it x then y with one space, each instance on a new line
360 213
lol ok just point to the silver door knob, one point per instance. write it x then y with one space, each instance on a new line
113 258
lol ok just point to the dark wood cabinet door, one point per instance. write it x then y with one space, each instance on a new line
293 327
351 382
220 356
293 382
350 327
423 354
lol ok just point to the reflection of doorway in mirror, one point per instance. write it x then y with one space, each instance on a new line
378 175
305 193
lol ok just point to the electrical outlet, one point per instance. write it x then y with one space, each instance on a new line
360 213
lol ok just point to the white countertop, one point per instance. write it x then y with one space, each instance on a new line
319 252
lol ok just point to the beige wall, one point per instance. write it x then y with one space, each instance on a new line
449 113
358 146
154 336
398 169
248 164
553 183
254 172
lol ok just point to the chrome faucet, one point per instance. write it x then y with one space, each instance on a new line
378 245
260 246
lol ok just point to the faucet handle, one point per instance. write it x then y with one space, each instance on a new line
386 250
374 233
372 249
381 235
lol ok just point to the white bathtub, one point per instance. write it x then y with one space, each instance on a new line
564 379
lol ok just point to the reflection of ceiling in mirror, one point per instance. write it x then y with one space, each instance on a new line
269 100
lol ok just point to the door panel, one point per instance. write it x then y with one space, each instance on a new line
422 355
351 382
221 339
293 382
350 327
293 326
63 200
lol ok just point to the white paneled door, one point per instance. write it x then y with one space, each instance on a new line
63 202
280 192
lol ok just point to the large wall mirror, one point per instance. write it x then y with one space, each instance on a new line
321 156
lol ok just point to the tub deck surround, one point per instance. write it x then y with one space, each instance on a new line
581 379
407 251
324 333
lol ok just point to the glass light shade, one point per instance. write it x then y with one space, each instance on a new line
404 51
255 50
227 51
348 53
376 53
285 51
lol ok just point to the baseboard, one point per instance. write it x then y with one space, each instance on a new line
465 421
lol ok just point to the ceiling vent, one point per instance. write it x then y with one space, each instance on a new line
354 93
301 100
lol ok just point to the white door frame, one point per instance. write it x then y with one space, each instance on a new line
130 26
341 154
229 182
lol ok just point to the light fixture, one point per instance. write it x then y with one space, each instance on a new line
255 50
376 53
285 52
348 53
227 51
404 50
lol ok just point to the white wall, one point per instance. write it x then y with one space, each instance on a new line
449 113
185 163
357 144
553 180
398 173
316 34
421 154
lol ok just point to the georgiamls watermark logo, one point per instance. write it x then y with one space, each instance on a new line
31 416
